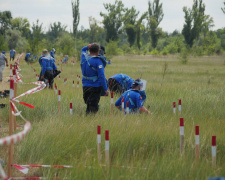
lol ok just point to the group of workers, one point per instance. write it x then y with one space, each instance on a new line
93 63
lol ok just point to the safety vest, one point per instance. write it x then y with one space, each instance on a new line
125 80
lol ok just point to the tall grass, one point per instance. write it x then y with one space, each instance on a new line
141 141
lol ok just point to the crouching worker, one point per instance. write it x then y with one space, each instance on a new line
47 68
120 83
93 76
136 98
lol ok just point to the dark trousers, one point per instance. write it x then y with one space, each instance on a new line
12 57
49 76
115 86
91 97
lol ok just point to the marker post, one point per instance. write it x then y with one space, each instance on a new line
59 101
107 147
181 135
77 84
15 92
99 144
127 108
73 84
179 106
71 108
197 143
10 149
213 150
122 105
111 103
174 108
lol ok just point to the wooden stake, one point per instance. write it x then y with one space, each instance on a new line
10 149
107 147
181 135
99 144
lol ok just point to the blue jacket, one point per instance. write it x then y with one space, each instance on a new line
124 80
135 100
12 53
52 54
47 64
40 60
96 70
27 56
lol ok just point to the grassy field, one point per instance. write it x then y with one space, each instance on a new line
139 140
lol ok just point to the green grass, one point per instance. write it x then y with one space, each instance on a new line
138 140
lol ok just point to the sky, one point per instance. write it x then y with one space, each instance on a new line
49 11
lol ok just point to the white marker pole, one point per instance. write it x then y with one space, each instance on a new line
99 143
174 107
179 106
122 105
107 147
181 135
213 150
11 74
111 103
197 142
59 102
127 108
71 108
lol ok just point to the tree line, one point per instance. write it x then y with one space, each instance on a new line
123 31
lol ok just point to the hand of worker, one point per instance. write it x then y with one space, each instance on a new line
7 64
42 77
106 93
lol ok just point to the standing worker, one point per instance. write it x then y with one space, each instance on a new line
136 98
47 68
93 79
3 59
12 54
120 83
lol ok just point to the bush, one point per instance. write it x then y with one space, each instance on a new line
183 56
112 48
154 52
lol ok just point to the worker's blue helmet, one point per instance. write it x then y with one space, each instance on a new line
136 83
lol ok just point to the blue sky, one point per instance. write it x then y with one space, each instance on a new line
48 11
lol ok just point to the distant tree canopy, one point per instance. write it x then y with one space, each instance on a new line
21 24
76 16
195 22
155 12
223 8
55 30
5 21
113 20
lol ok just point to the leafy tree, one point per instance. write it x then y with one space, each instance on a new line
76 16
36 37
223 8
195 22
5 21
55 30
15 40
155 12
21 24
130 24
113 20
139 26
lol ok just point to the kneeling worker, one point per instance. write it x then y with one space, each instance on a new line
93 79
120 83
136 98
47 68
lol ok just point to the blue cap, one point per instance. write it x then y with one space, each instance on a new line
3 52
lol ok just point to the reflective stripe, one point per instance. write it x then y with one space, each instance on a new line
93 78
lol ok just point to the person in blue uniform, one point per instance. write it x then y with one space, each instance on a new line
47 68
136 98
27 57
12 54
52 53
120 83
66 58
93 76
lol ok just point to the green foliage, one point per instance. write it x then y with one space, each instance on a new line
183 57
3 44
113 20
155 12
55 31
76 16
21 24
221 35
5 21
223 8
154 52
112 48
140 28
15 40
66 44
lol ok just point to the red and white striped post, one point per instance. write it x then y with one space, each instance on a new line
59 101
107 147
111 103
73 84
174 107
213 150
197 142
99 143
55 89
79 77
122 105
15 93
10 149
181 135
11 73
59 77
77 84
71 108
34 71
36 77
127 108
179 106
